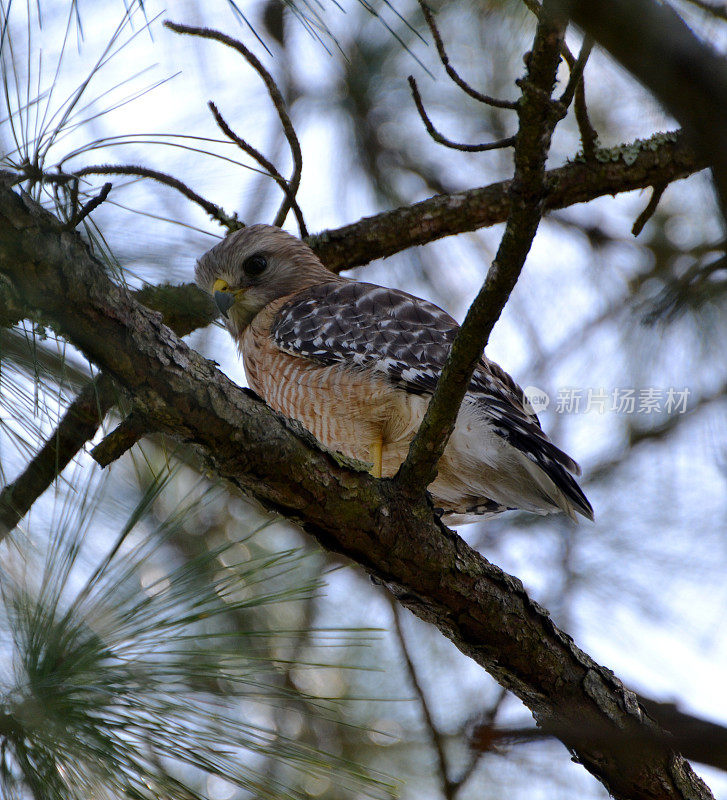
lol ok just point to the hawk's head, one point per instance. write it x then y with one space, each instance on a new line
254 266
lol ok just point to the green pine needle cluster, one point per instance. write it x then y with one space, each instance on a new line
122 676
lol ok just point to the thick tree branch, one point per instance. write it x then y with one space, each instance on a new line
684 73
485 612
538 115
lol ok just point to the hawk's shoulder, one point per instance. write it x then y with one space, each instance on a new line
361 325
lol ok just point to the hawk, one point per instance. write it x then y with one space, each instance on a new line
356 364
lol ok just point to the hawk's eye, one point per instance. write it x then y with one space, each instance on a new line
255 265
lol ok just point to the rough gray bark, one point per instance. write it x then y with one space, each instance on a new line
485 612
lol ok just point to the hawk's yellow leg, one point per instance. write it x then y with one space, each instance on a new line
375 450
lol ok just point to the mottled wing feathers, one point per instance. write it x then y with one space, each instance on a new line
358 324
407 340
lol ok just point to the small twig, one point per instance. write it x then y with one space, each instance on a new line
264 163
576 72
576 85
486 718
453 74
448 788
79 424
122 438
589 137
434 133
656 192
231 223
275 95
88 207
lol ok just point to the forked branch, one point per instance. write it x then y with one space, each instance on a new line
538 116
277 99
265 163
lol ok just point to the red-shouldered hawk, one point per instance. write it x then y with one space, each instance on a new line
356 364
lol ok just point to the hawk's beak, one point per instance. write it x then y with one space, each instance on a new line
223 297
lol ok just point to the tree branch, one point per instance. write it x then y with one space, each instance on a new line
663 158
277 100
538 115
684 73
79 424
183 312
121 439
485 612
440 139
214 211
449 790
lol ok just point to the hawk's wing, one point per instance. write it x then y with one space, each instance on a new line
407 340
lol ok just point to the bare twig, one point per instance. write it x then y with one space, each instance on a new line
231 223
275 96
88 207
589 137
576 72
79 424
437 136
453 74
435 736
266 164
122 438
537 120
656 194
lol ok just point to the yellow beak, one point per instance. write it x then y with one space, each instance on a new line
224 298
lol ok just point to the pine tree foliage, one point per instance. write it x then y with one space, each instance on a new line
123 676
